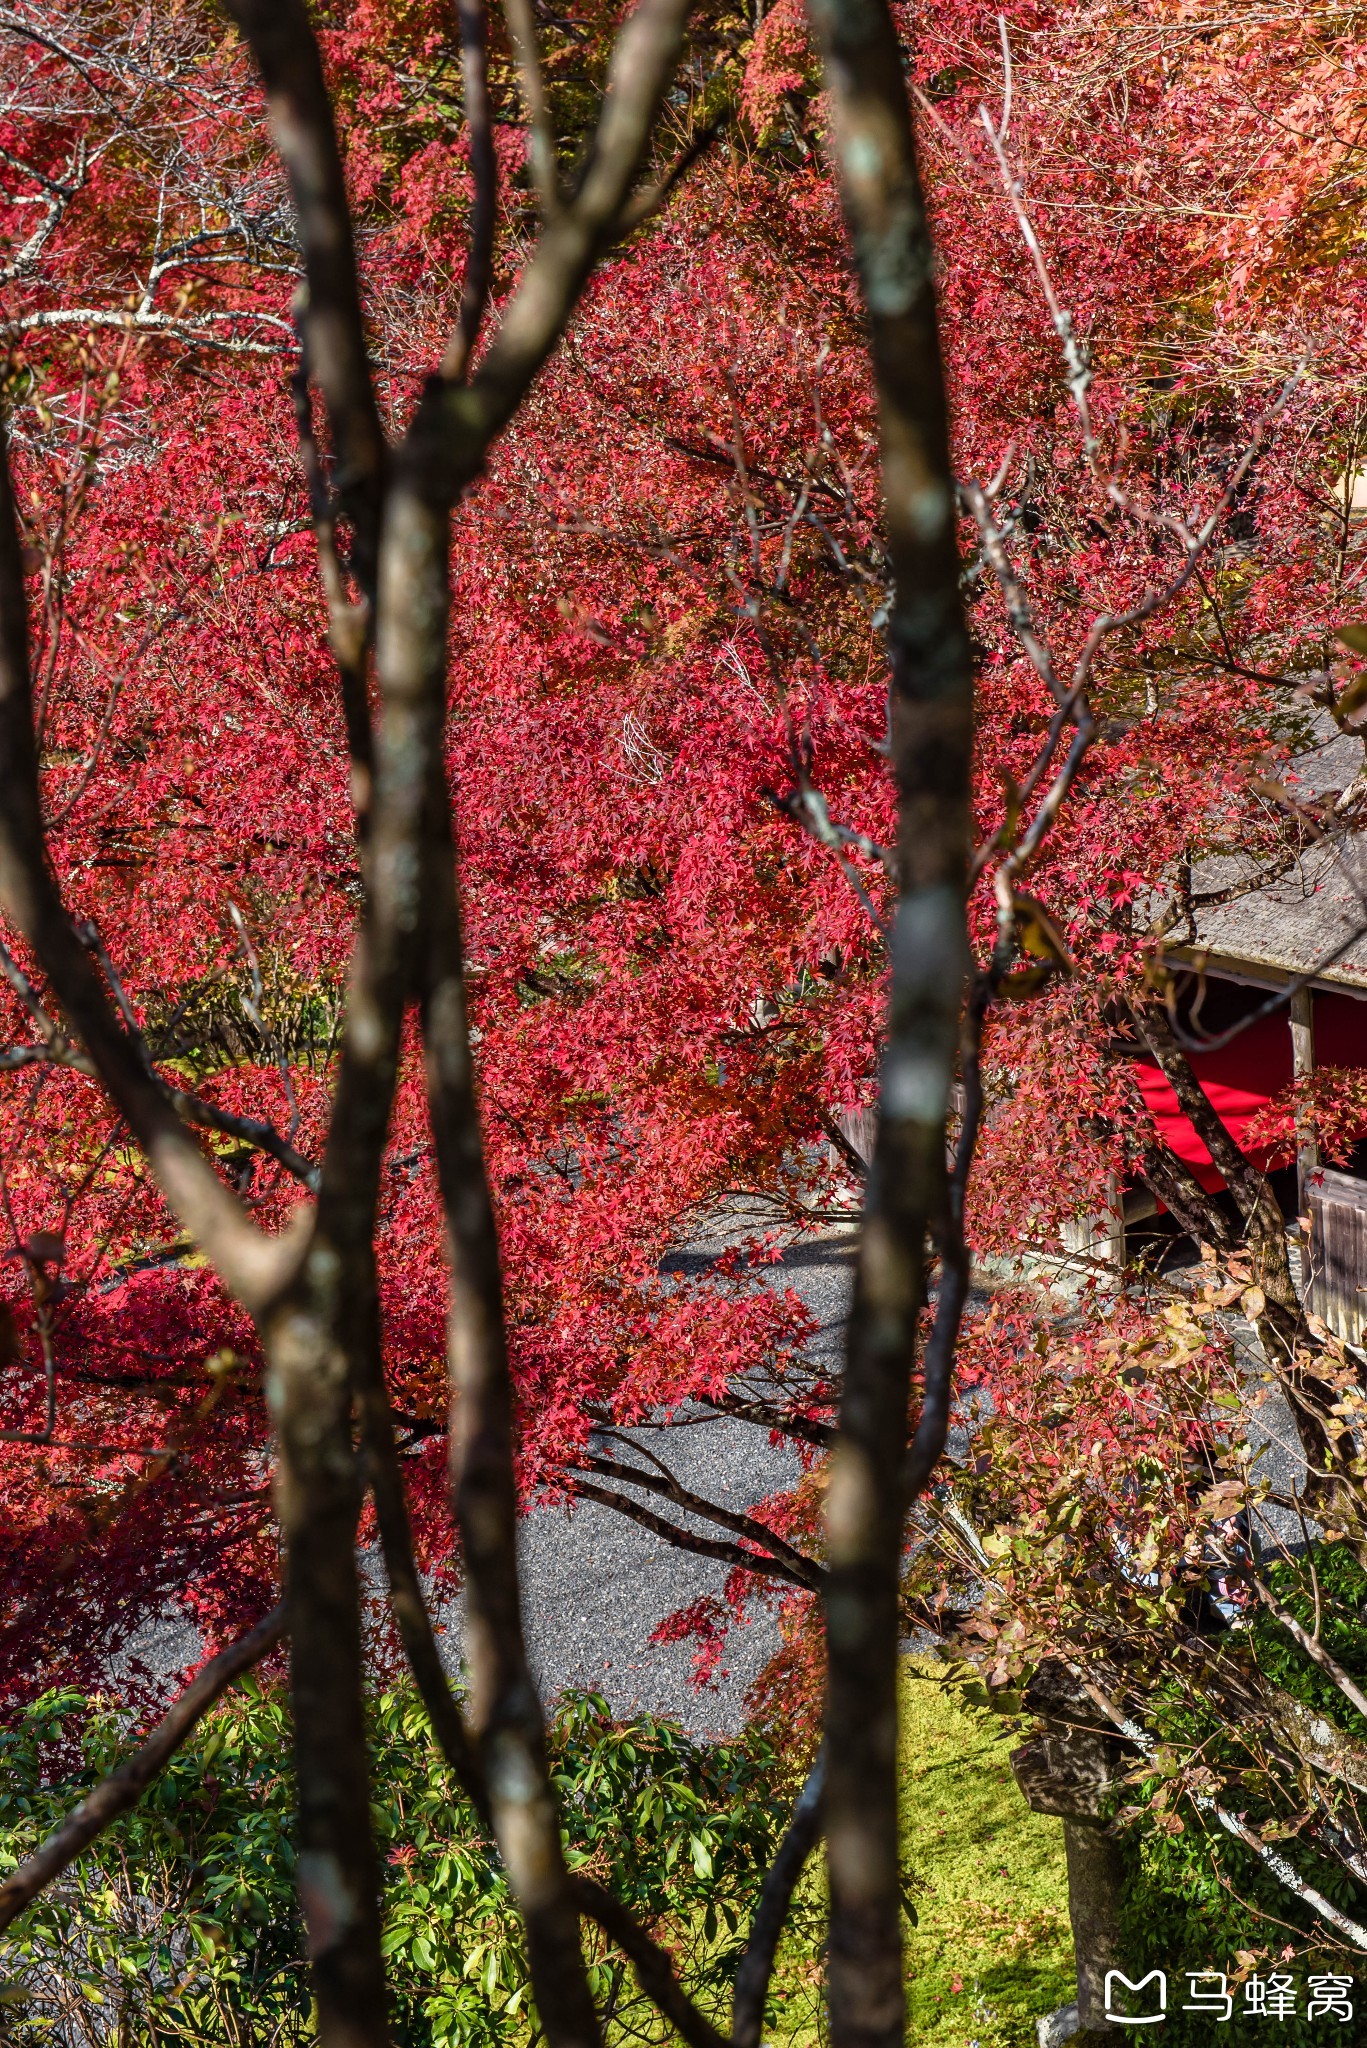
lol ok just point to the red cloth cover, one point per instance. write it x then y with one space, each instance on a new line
1247 1072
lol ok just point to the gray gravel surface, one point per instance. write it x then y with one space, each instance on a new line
596 1585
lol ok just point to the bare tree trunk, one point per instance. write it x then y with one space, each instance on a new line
931 737
318 1501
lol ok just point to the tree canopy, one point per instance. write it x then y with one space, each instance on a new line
831 639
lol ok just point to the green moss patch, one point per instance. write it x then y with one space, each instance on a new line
992 1949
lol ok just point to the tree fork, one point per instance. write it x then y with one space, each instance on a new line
1178 1189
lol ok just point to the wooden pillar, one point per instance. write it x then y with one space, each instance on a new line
1337 1254
1098 1241
1303 1062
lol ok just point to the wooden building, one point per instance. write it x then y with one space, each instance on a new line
1298 929
1271 964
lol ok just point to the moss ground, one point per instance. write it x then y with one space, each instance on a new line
991 1949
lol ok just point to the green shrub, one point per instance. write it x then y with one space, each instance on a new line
1200 1900
179 1924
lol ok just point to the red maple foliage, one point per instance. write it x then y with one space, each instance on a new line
668 711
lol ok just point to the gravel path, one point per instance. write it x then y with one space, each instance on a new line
596 1585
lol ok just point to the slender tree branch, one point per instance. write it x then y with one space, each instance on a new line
804 1569
505 1714
350 626
283 45
205 330
1250 1189
647 204
776 1896
654 1969
764 1566
764 1417
1019 616
956 1268
1312 1646
207 1116
248 1130
1272 1859
541 151
250 1264
479 259
457 423
396 1544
